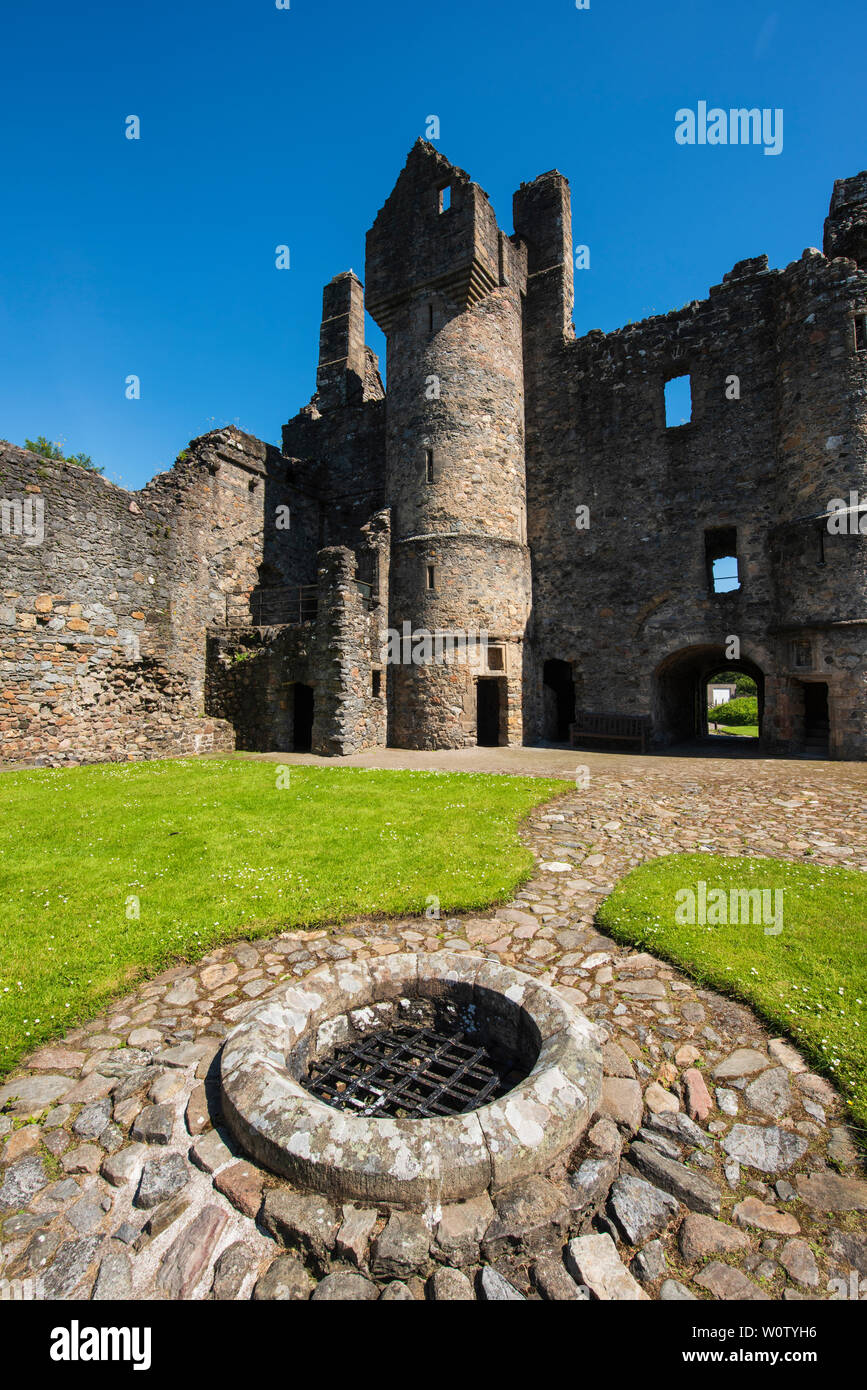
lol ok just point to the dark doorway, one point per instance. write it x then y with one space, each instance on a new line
487 712
817 727
302 740
559 699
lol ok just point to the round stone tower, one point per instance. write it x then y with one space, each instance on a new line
445 286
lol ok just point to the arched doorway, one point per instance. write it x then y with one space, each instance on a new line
559 700
680 692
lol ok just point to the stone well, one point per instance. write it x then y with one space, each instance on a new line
551 1079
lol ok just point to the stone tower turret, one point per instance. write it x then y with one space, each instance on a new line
342 362
445 285
846 223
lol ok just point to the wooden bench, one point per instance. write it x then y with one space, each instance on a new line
610 728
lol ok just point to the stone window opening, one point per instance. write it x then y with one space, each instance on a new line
802 655
860 332
428 466
721 559
678 401
820 545
496 659
375 683
444 198
431 577
430 318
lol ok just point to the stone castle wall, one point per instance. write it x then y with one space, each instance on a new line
91 667
631 589
171 619
137 611
627 601
341 433
820 575
254 673
102 623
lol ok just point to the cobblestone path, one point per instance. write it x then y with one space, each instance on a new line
117 1180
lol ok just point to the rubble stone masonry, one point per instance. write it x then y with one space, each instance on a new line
245 597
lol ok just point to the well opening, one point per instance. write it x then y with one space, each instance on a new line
410 1079
414 1058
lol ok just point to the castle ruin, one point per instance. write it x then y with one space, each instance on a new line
516 483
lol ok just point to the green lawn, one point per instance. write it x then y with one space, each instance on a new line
217 849
742 730
810 980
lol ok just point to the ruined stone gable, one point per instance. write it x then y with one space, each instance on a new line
517 484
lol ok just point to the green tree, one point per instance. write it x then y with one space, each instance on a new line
734 712
744 684
46 450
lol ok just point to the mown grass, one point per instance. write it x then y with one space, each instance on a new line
741 730
810 981
207 851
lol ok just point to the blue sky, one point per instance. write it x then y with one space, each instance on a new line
262 127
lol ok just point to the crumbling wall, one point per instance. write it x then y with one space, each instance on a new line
341 433
348 715
419 513
251 677
776 387
819 562
623 586
103 622
237 528
88 654
254 672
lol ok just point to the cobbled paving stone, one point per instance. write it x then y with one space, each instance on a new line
768 1137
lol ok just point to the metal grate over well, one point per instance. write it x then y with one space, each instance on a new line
406 1072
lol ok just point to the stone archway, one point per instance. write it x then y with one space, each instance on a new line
679 691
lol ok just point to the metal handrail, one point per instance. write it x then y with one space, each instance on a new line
292 605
